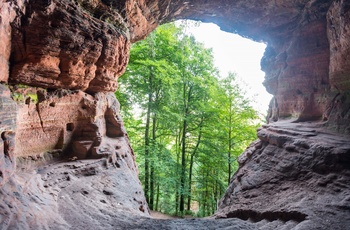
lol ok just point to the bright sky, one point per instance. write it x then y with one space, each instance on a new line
233 53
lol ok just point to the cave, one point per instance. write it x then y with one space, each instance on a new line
71 53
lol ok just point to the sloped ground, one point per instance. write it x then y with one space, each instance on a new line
84 194
71 195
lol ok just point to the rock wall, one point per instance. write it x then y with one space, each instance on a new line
295 175
7 128
59 65
70 50
63 146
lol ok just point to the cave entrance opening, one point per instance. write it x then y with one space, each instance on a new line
233 53
186 119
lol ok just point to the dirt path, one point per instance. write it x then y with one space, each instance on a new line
161 216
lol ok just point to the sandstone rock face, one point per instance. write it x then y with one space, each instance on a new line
294 176
53 130
80 194
63 48
298 76
74 122
61 60
8 112
338 18
48 119
57 44
9 10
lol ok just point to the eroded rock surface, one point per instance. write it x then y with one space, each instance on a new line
80 194
65 158
74 122
295 173
58 44
8 112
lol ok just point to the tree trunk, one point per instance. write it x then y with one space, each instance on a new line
191 166
183 167
147 152
152 176
151 185
229 145
186 100
157 198
177 193
207 194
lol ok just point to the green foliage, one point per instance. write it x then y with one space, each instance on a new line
20 94
187 124
17 97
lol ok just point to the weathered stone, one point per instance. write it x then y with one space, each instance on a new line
292 180
295 176
71 121
8 12
54 196
338 24
48 124
81 149
71 50
8 112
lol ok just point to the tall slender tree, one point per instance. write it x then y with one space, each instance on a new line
186 125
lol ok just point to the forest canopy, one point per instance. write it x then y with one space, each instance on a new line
187 124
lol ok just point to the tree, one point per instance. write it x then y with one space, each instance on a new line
238 119
148 79
186 126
